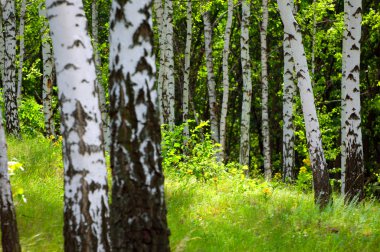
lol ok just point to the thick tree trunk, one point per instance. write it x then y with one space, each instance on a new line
9 78
161 41
213 106
322 188
247 85
9 232
48 80
226 83
86 210
289 90
186 78
138 211
169 84
264 82
352 145
21 49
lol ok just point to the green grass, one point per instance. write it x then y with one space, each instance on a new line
228 215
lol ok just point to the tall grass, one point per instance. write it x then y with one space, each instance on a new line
225 214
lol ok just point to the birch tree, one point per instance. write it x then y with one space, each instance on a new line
9 77
138 210
264 88
21 48
247 85
2 45
226 83
352 145
48 80
186 78
322 190
9 232
86 210
289 90
213 106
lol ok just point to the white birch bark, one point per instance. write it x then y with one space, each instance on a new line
48 80
21 48
2 45
289 90
9 232
264 88
99 82
247 85
86 210
169 87
186 78
352 146
138 211
226 83
213 107
9 78
321 183
161 44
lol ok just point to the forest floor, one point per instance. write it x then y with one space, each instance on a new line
226 214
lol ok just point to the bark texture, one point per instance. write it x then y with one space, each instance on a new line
9 232
9 77
86 210
213 106
138 211
226 82
264 90
321 183
247 85
352 145
48 80
186 77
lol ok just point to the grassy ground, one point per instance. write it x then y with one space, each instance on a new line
230 214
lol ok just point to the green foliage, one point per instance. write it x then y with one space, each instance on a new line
31 117
305 177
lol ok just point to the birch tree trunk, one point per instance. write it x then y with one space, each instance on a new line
86 210
247 85
9 77
264 81
2 45
9 232
352 145
186 78
321 183
161 41
211 78
169 87
289 90
99 82
48 80
138 211
226 83
21 48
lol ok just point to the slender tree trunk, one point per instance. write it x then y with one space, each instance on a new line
138 211
161 40
99 82
169 84
211 78
186 78
48 80
21 49
9 232
247 85
352 145
264 82
2 45
289 90
321 183
9 78
226 83
86 210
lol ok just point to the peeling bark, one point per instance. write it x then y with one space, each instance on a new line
138 210
86 211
